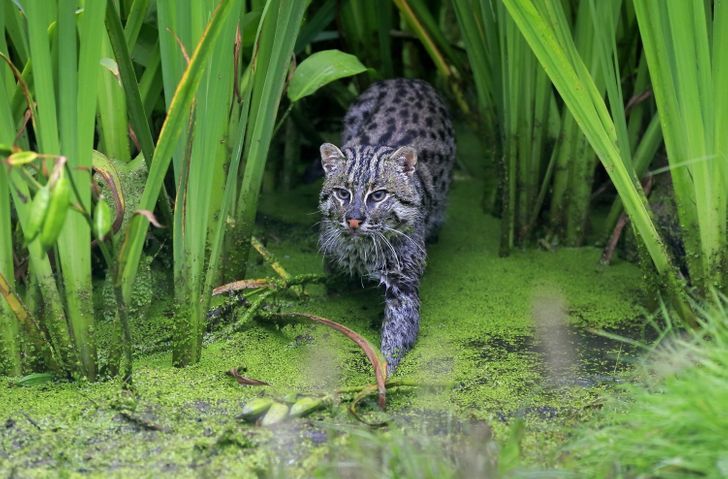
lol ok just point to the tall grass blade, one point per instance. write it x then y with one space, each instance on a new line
279 28
9 339
137 114
677 45
200 193
547 32
176 119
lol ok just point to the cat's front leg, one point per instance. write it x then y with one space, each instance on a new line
401 321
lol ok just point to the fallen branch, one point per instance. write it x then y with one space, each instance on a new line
245 381
377 361
268 286
241 285
270 259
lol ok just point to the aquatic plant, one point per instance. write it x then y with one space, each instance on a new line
195 94
60 110
577 47
233 77
672 423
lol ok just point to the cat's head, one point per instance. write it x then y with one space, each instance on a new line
370 189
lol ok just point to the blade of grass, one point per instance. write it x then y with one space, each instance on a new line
480 34
419 19
113 131
134 21
279 29
674 35
75 261
76 264
548 34
10 346
185 91
653 34
200 194
137 115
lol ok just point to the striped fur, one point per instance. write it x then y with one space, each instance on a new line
398 144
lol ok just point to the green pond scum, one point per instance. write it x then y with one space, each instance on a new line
507 358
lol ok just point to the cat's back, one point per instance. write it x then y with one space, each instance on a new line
401 112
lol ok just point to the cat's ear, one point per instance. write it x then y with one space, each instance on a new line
406 156
330 157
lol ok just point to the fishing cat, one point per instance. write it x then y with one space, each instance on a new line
384 194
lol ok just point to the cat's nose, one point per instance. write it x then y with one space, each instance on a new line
354 220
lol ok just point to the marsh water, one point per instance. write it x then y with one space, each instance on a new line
503 341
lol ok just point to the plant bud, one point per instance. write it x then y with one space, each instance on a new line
102 219
38 212
57 210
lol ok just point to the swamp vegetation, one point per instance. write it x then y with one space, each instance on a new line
159 265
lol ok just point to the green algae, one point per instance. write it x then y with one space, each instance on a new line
479 336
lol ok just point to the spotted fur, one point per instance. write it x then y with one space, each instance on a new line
384 193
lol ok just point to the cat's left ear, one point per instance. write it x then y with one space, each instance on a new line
406 156
331 156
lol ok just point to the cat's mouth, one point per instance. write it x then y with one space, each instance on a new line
357 232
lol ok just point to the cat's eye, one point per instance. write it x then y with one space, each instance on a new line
378 195
342 194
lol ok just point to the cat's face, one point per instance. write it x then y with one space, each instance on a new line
369 190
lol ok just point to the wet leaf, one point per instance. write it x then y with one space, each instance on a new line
242 284
245 381
320 69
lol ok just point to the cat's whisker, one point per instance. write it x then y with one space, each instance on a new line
376 253
391 248
408 237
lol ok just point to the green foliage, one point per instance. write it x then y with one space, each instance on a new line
194 92
276 39
320 69
672 425
470 451
684 46
545 27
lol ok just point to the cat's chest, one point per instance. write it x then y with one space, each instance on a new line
366 256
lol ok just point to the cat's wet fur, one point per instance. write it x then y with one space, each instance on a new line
384 194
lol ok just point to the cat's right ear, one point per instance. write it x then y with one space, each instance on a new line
331 156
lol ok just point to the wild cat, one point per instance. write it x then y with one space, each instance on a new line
384 194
